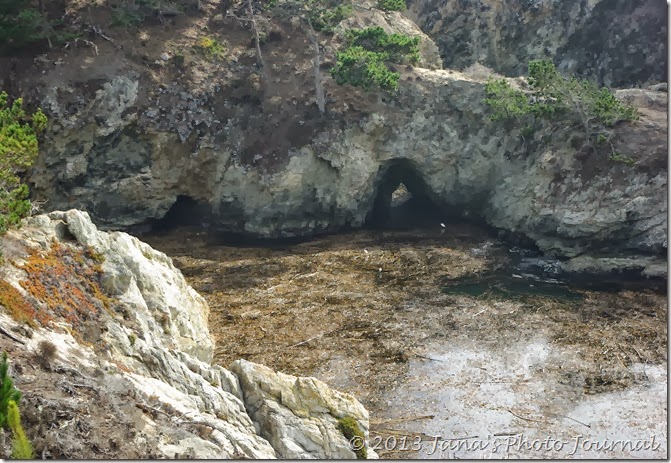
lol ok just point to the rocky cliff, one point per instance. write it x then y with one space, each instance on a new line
111 350
619 43
138 135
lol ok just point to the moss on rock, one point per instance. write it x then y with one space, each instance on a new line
350 429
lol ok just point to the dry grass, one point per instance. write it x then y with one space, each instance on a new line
323 306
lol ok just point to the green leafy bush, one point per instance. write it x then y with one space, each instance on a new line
22 449
505 101
397 48
392 5
364 62
22 26
617 157
211 48
8 393
553 96
18 150
362 68
323 15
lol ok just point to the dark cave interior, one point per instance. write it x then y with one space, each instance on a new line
186 211
404 200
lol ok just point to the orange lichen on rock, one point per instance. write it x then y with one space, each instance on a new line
65 283
17 305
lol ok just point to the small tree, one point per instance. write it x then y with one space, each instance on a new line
363 68
364 62
20 25
257 39
22 449
23 27
8 393
18 150
316 16
555 97
392 5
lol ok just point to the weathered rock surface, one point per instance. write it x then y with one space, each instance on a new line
648 266
618 43
270 166
295 414
154 355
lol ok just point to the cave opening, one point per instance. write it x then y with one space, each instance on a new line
185 212
404 201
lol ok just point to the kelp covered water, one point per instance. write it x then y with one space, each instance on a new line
439 337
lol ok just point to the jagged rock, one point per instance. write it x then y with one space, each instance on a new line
661 87
150 284
156 349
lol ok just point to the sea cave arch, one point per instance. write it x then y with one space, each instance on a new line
403 199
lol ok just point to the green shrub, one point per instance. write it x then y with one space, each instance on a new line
22 26
397 48
555 97
364 62
617 157
8 393
22 449
211 48
325 15
362 68
18 150
392 5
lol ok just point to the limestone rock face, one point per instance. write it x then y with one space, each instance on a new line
155 350
505 36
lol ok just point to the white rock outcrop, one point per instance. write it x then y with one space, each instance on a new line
157 348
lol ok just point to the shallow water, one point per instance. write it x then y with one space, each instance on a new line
487 401
438 338
511 287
